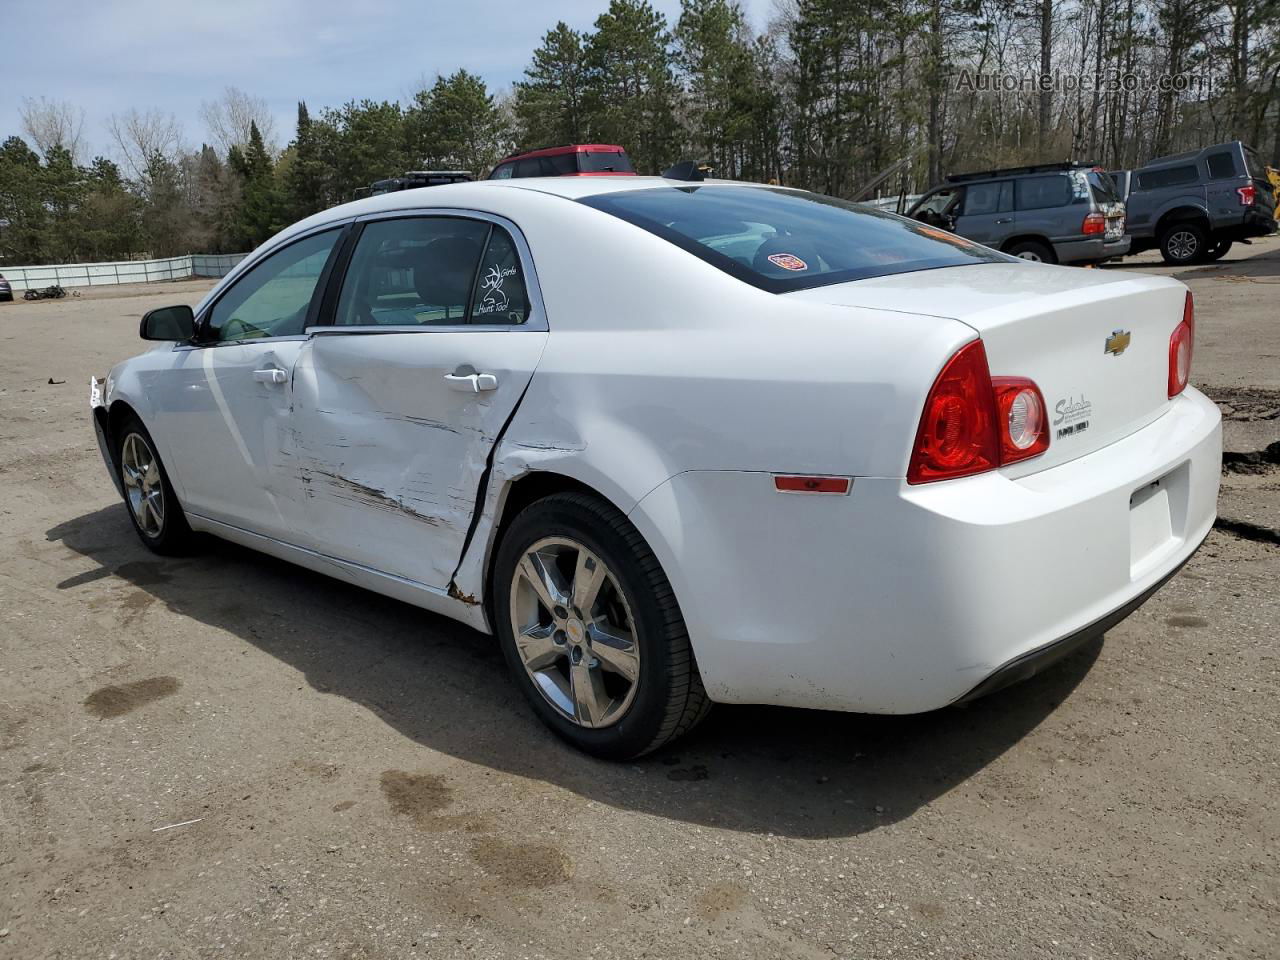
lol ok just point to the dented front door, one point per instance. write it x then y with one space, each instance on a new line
393 431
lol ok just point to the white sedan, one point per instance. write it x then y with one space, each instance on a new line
677 443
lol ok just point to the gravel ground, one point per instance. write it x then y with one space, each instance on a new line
228 756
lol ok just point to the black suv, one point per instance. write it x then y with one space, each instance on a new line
1193 206
1051 212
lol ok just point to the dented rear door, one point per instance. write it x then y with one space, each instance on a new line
390 453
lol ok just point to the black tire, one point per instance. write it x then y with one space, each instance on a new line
669 699
1218 250
1033 250
174 535
1183 243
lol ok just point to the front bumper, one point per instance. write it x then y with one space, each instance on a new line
902 599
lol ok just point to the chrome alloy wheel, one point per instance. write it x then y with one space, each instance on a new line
574 632
142 485
1183 244
1030 255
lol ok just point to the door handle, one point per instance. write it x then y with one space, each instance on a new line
471 382
271 375
1005 220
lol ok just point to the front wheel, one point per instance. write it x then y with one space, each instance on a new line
153 506
591 630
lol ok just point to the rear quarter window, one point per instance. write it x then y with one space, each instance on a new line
782 240
1222 166
1038 193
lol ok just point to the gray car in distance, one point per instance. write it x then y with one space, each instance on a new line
1193 206
1055 212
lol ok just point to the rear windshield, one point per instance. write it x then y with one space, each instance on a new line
1104 189
1256 167
597 161
782 240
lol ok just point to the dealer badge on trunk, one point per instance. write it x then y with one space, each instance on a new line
1117 343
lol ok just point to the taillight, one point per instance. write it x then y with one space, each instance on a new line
1181 345
1021 425
1094 223
1248 195
973 422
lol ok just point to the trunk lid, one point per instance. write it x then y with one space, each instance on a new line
1063 327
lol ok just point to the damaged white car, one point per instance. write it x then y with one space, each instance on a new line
677 443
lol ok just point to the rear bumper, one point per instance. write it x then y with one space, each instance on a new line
1256 223
1077 251
902 599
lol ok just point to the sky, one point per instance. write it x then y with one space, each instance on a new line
109 56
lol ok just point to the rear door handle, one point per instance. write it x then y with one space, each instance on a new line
471 382
1005 220
271 375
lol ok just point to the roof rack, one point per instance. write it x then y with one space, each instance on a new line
1018 171
413 179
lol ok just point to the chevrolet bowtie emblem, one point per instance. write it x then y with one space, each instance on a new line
1118 342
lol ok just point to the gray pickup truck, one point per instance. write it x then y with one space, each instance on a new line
1051 212
1193 206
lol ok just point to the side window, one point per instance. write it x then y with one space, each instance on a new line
529 167
1169 177
502 171
412 272
559 164
272 298
981 198
1038 193
500 295
1222 166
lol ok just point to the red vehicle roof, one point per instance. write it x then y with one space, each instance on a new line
567 148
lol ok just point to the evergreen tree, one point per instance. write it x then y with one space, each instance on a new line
549 102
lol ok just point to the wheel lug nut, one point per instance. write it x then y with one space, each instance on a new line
560 612
559 637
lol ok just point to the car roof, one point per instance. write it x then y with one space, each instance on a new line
481 195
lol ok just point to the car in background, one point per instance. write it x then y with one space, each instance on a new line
6 291
569 160
1193 206
679 442
1065 213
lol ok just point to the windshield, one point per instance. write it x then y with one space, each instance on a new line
595 161
782 240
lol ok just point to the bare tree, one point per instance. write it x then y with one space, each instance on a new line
230 118
140 137
54 123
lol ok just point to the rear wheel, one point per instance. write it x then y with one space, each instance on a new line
1034 251
591 630
153 506
1218 250
1183 243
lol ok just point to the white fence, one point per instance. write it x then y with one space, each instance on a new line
125 271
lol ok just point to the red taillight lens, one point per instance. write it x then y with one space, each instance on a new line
1248 195
1094 223
1022 424
957 434
1181 346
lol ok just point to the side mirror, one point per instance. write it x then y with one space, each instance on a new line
168 323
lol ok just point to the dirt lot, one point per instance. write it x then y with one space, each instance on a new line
228 756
